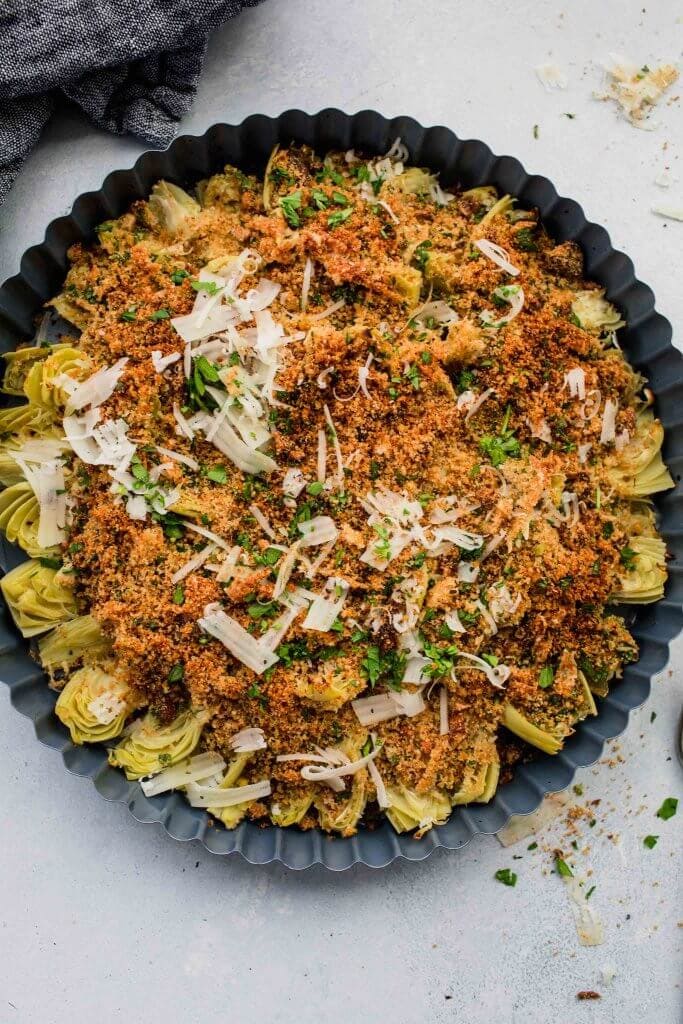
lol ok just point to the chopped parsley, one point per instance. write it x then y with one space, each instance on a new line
178 594
50 563
413 375
383 545
159 314
524 240
339 217
178 276
650 842
320 199
379 666
203 373
328 173
293 650
442 659
177 673
545 677
417 561
271 556
506 876
279 176
465 381
290 205
668 808
503 445
210 287
218 474
628 557
263 611
562 867
129 314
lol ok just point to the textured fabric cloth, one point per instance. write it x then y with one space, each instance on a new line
132 65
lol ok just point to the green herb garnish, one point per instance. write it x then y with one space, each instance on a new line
563 868
290 205
210 287
218 474
546 676
668 808
506 876
339 216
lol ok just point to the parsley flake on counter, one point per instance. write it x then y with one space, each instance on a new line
506 876
562 868
668 808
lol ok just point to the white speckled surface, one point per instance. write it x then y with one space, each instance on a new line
102 916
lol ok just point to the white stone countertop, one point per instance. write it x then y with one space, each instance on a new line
103 918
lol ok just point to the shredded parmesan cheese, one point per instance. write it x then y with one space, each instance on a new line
161 362
216 796
497 255
247 740
443 711
306 284
97 388
337 449
609 422
194 563
262 521
193 769
235 638
382 707
551 76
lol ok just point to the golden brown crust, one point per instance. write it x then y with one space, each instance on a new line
411 435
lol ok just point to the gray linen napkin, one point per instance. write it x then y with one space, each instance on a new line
132 66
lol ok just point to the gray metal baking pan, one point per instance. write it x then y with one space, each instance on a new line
646 340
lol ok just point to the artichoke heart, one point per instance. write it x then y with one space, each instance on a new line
289 809
37 598
93 705
644 583
231 816
50 381
170 207
20 516
150 747
638 470
594 313
408 809
68 643
520 725
341 812
18 364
